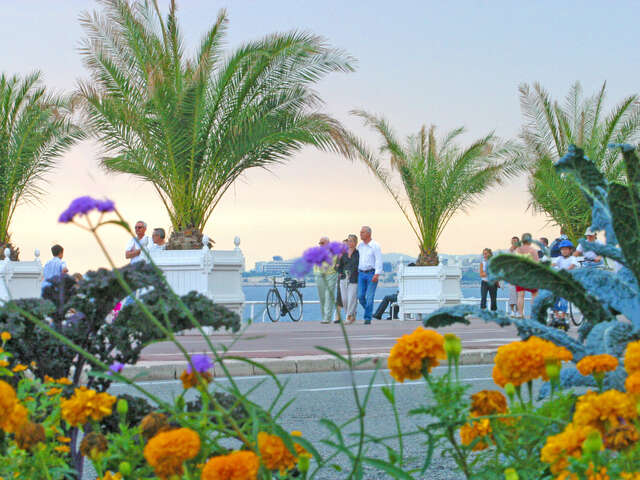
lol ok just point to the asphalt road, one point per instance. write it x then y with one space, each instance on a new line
330 396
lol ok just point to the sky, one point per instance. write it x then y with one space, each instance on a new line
418 62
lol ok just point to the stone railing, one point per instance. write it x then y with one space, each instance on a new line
20 279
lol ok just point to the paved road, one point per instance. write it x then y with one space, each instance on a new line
330 395
262 340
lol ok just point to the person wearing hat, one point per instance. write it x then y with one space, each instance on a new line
565 261
589 256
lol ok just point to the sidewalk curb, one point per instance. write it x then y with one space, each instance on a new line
149 370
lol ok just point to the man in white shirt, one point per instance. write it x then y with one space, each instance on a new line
589 256
54 267
135 245
369 270
158 239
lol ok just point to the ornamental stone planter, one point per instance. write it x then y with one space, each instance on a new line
20 279
423 290
217 274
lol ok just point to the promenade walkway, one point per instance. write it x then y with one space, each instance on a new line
292 347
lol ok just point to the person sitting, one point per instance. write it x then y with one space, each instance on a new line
137 243
589 256
386 301
564 262
158 239
54 267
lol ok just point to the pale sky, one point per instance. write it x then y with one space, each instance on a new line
420 62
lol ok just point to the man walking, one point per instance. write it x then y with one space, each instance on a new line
135 245
326 281
54 267
369 270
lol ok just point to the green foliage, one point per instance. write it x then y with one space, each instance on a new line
438 178
192 126
550 127
83 313
35 129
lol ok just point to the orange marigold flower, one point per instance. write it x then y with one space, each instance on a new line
190 380
93 445
111 476
567 475
630 476
4 363
8 400
54 391
597 364
498 379
152 424
632 383
477 429
275 455
632 357
239 465
62 439
621 437
567 444
413 352
600 474
86 404
488 402
19 368
300 450
29 435
6 336
167 451
62 448
608 408
18 416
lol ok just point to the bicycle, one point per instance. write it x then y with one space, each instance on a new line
292 303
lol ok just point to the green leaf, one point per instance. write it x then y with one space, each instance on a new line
387 467
624 202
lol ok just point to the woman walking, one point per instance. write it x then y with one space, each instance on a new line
485 286
339 304
348 273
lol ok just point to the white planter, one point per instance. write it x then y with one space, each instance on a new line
217 274
20 279
423 290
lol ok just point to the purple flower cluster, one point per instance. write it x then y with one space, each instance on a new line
116 367
316 256
84 205
201 363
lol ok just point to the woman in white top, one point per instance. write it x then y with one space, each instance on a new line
485 285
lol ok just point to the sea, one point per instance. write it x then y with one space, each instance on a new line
311 311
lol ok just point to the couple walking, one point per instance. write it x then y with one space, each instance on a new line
353 278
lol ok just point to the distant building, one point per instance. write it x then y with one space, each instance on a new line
387 267
274 267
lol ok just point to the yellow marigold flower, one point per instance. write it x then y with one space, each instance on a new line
54 391
566 475
4 363
62 448
167 451
412 352
593 474
632 358
6 336
597 364
621 437
567 444
632 383
93 444
63 381
498 379
470 431
300 450
608 408
111 476
62 439
18 416
86 404
48 379
19 368
488 402
8 400
275 455
630 476
239 465
152 424
29 435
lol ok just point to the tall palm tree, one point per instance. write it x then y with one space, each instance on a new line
192 125
550 127
437 178
35 129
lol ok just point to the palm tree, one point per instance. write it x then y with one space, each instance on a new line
192 126
35 129
437 178
549 128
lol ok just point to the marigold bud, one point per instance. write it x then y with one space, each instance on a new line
122 408
124 468
93 445
303 463
510 390
511 474
593 443
452 345
553 370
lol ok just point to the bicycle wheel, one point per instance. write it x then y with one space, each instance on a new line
294 305
575 315
273 305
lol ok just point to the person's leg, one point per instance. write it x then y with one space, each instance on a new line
520 303
353 299
382 307
343 287
322 293
484 288
330 299
493 294
362 289
370 294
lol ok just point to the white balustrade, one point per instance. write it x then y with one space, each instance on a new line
20 279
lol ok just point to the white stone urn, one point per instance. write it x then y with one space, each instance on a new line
20 279
217 274
423 290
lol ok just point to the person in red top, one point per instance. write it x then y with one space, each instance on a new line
526 249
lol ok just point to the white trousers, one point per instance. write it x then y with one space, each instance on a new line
349 293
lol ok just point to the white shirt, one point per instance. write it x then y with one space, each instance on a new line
588 255
135 244
370 257
563 263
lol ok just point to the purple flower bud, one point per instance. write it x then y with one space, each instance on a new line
116 367
317 255
105 206
83 205
201 363
337 248
300 268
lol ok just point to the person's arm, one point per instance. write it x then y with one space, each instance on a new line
131 253
377 255
483 274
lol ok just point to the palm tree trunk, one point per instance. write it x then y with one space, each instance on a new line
428 258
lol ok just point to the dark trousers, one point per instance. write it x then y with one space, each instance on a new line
492 288
384 304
